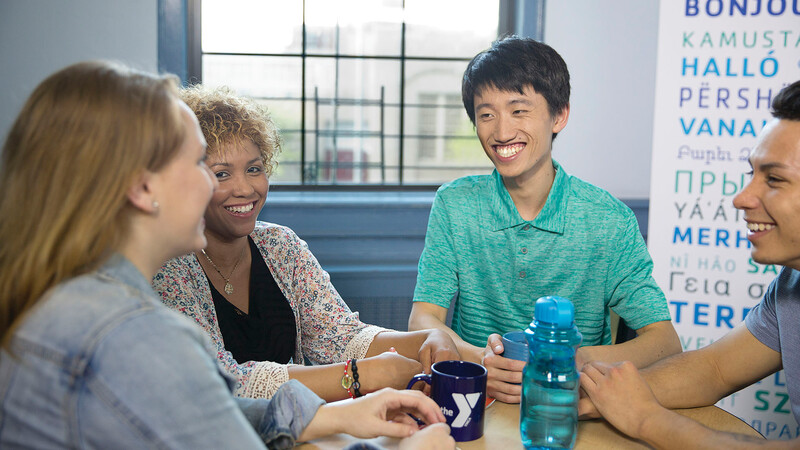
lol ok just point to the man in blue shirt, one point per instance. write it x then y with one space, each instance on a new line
767 341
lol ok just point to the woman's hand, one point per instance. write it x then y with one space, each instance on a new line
438 346
382 413
432 437
389 369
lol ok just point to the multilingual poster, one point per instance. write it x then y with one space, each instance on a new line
720 64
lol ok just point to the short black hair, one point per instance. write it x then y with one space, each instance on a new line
786 104
513 63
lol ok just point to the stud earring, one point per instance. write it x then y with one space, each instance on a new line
155 205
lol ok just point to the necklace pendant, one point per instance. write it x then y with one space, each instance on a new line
228 288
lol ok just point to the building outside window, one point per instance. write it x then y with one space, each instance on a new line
364 91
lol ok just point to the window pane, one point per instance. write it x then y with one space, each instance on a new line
288 170
353 79
349 143
287 116
450 28
439 140
252 26
352 120
354 27
255 76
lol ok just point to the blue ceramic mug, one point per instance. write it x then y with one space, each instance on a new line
459 388
515 346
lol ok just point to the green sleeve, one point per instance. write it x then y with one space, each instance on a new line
635 296
437 276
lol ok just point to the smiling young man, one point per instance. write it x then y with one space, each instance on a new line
498 242
767 341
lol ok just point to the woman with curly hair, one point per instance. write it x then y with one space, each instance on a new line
260 293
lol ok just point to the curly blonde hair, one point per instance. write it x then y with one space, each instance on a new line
227 118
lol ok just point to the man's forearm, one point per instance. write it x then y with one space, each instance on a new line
686 380
405 343
671 430
654 342
702 377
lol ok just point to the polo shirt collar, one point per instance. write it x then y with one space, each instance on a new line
502 213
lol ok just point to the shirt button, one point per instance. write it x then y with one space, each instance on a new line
526 228
522 274
524 250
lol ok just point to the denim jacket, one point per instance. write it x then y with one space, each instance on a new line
101 363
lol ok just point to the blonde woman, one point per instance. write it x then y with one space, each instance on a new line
103 179
259 292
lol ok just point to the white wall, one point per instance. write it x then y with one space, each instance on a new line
38 37
610 49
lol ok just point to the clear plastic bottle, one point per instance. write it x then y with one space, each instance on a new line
549 407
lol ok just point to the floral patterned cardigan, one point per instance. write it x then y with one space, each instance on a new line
327 331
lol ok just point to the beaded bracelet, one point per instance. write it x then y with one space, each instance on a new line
347 380
356 383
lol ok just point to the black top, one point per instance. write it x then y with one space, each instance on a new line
268 332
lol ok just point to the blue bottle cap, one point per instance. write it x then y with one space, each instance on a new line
553 310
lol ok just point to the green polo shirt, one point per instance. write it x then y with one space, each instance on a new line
584 245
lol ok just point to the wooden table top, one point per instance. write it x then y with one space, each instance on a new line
501 431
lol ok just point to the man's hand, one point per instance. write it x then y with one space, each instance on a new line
621 395
438 346
504 374
586 409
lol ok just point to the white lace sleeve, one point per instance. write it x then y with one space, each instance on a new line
359 344
264 380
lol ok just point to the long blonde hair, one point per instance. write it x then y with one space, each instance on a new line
79 142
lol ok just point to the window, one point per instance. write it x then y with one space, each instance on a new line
364 91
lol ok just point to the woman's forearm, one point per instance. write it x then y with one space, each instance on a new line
374 373
324 380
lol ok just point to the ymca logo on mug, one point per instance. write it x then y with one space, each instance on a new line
465 403
459 388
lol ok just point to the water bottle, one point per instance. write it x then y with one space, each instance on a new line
549 407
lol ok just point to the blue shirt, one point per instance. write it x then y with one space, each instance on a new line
584 245
774 322
101 363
